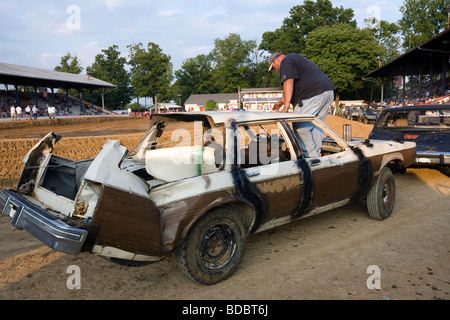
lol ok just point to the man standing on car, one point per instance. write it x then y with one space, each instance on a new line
310 91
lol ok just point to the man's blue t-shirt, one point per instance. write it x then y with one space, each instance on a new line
309 80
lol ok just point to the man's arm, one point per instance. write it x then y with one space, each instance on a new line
277 105
288 90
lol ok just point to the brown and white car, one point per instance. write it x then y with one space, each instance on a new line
196 186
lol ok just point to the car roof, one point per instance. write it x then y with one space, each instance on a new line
216 117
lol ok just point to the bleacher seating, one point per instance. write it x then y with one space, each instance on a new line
7 98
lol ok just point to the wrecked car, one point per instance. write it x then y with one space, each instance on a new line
196 186
426 125
370 113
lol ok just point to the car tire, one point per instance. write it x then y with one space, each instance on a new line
381 197
213 248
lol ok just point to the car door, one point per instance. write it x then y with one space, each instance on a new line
268 166
335 176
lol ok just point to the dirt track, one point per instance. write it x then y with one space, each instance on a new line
322 257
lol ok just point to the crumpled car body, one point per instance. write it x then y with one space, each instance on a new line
370 114
196 186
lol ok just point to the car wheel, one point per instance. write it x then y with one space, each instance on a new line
214 246
381 197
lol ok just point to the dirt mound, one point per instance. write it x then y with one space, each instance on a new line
19 124
73 127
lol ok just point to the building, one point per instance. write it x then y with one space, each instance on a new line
253 99
41 80
423 70
224 101
260 98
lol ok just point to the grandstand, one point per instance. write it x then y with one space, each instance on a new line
425 67
32 86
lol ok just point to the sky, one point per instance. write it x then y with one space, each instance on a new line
37 33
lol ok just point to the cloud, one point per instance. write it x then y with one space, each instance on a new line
38 35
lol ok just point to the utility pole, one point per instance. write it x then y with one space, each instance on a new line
448 23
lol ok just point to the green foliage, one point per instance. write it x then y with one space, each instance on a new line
387 36
151 72
345 53
210 105
325 34
422 19
228 67
71 67
70 64
231 57
195 76
110 66
291 36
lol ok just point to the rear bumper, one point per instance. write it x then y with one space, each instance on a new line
50 230
432 159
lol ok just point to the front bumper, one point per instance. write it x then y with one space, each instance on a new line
50 230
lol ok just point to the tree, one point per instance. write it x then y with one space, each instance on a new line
195 77
71 67
303 19
151 72
232 59
422 19
260 78
387 36
110 66
210 105
345 53
257 75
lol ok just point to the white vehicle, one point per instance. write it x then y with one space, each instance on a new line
196 186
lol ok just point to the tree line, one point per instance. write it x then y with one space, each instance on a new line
326 35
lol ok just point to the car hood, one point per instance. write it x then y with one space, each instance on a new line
426 140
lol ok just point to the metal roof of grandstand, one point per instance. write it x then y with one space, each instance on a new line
432 54
27 76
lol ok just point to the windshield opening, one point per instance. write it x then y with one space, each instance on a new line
416 118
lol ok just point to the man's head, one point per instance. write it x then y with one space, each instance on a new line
275 60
